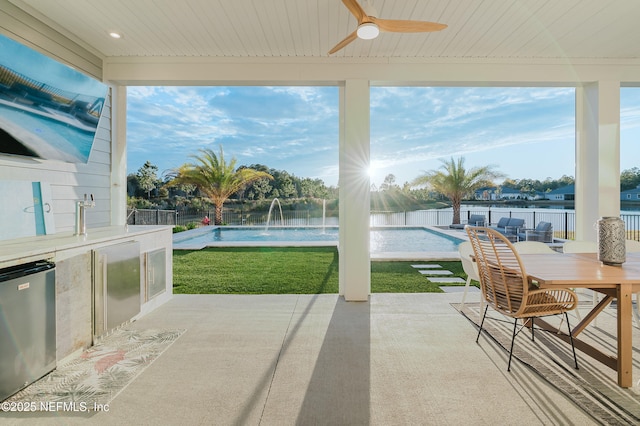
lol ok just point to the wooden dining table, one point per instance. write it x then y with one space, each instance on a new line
584 270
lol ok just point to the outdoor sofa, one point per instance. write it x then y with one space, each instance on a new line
474 220
508 226
543 232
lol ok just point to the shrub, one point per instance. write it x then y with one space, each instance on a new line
140 203
192 225
178 228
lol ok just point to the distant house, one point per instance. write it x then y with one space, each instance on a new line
515 194
537 196
631 194
566 193
486 193
511 194
504 193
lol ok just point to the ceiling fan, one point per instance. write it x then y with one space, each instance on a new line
369 26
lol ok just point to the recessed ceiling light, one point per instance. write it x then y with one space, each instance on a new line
115 35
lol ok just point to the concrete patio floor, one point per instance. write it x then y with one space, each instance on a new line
399 359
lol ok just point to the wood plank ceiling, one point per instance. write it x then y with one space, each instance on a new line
532 30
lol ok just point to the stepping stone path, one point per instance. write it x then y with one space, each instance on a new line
436 274
432 272
459 289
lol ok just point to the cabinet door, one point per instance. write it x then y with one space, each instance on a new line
116 276
156 273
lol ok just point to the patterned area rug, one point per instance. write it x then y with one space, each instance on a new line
593 387
102 371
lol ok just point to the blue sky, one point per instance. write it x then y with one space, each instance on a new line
523 132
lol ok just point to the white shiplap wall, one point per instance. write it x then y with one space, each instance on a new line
69 181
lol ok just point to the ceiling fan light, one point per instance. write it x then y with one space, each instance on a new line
368 31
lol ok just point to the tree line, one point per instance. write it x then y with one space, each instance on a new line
212 180
145 184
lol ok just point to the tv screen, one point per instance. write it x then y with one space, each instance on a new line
48 110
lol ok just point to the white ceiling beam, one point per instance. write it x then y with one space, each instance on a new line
241 71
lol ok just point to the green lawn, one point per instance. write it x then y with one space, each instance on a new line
275 270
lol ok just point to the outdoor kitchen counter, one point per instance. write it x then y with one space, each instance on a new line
24 250
74 274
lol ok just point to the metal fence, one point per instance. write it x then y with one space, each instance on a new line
563 221
151 217
193 217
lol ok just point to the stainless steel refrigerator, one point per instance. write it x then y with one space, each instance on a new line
116 286
27 325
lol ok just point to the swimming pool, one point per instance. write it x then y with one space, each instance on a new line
401 239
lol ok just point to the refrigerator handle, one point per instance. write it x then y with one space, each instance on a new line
99 293
103 266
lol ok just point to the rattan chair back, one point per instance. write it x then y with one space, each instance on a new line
502 278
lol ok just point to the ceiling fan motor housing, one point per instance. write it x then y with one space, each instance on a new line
368 31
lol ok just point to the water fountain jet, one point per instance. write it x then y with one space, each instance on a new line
324 212
266 228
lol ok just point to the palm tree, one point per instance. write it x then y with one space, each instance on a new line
456 183
215 178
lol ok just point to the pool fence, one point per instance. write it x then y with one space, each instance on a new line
563 221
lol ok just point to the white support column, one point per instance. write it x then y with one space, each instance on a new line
597 155
118 155
355 265
341 194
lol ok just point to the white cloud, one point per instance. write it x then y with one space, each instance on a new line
305 93
296 128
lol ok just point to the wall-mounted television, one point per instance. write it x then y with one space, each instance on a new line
48 110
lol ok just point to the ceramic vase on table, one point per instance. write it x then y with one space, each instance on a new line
611 240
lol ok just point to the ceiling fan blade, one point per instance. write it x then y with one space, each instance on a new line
344 42
355 9
401 26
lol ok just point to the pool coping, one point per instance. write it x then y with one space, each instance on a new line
180 244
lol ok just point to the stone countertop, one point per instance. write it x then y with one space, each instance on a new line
23 250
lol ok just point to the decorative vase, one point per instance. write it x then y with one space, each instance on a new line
611 241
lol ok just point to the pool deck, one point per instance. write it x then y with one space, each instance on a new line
416 256
398 359
181 242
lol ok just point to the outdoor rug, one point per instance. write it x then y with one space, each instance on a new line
101 372
593 387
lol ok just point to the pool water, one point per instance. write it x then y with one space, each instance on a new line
410 239
415 239
275 234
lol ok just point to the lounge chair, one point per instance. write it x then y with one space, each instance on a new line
543 232
632 246
582 246
532 247
474 220
508 226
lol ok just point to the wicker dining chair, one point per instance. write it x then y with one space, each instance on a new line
633 246
469 267
506 288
